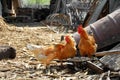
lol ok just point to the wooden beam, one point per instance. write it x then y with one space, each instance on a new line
97 11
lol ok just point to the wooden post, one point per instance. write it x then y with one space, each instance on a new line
15 5
97 11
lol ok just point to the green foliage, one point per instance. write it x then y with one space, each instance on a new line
41 2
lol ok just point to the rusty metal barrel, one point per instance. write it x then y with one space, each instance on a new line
106 30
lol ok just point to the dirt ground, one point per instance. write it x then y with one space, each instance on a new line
25 66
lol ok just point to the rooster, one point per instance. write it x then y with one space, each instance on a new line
57 51
86 45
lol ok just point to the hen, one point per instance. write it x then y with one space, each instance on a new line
87 45
57 51
68 50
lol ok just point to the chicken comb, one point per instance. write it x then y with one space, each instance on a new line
80 28
67 38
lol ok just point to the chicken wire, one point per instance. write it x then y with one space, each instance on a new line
75 10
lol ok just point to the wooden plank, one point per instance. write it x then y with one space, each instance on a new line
94 67
111 61
114 50
111 58
89 14
113 5
97 11
98 54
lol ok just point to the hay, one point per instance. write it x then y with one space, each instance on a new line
3 25
19 37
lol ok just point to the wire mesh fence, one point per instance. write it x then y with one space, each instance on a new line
74 10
